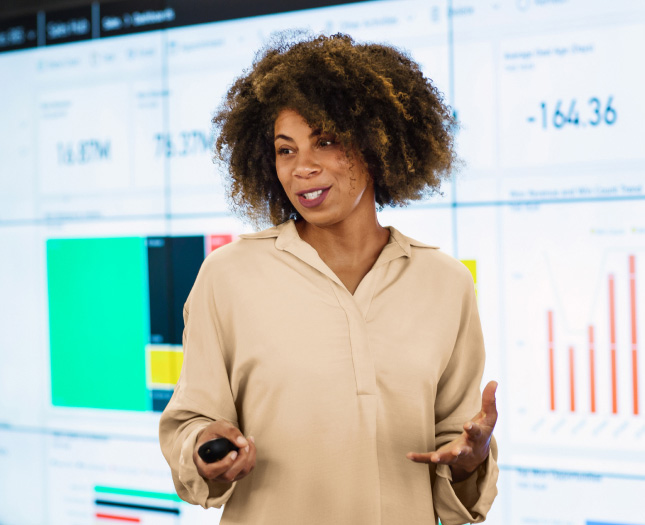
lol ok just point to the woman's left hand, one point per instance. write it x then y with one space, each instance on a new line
471 448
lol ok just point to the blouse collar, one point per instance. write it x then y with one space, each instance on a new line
287 239
286 235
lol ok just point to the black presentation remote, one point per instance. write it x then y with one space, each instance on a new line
215 449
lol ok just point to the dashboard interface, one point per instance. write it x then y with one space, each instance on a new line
109 202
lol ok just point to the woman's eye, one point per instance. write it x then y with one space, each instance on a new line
324 143
283 151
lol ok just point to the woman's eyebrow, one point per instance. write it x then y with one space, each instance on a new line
278 137
314 133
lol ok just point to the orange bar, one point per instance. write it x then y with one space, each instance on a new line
117 518
612 341
592 369
551 358
632 296
572 380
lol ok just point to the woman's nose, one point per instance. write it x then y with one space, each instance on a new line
306 165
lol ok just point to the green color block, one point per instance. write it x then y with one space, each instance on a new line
139 493
98 322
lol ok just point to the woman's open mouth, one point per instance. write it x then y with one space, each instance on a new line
314 198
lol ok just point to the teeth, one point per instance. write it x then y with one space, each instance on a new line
313 194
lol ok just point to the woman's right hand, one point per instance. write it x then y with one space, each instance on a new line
235 465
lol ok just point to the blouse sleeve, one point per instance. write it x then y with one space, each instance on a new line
202 395
458 400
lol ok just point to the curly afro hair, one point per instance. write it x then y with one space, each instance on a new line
370 97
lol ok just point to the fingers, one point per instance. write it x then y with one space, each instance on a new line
489 407
472 446
449 454
232 433
250 462
236 464
447 457
419 457
452 455
219 429
473 430
218 468
242 464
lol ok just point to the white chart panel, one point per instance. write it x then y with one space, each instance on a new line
574 291
569 97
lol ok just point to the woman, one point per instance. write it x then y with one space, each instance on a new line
350 352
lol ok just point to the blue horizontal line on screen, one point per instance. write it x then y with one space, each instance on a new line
574 474
608 523
213 215
75 434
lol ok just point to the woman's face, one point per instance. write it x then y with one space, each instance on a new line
308 161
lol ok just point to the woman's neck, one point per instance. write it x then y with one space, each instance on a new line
345 244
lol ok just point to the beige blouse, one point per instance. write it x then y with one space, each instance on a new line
335 388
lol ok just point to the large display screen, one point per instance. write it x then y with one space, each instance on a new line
109 202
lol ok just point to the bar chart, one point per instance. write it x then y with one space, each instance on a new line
127 505
573 350
630 355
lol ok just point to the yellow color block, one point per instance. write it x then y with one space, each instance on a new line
165 366
471 264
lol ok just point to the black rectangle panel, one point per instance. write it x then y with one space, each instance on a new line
68 25
101 20
187 257
19 33
159 290
173 264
